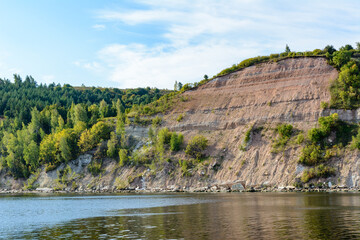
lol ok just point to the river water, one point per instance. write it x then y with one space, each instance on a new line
181 216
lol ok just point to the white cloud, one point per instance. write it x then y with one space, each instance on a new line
99 27
6 70
48 79
92 66
139 66
203 37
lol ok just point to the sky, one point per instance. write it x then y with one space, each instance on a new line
153 43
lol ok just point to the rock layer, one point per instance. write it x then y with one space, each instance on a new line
288 90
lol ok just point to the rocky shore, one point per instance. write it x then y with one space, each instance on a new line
212 189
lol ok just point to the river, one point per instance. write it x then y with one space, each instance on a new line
181 216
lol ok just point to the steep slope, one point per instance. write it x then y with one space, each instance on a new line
288 90
257 97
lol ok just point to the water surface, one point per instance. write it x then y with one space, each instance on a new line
182 216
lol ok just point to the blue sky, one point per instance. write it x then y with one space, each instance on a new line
154 43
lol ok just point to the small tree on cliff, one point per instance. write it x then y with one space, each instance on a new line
196 146
287 49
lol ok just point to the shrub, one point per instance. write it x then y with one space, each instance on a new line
95 167
176 141
156 121
285 131
247 135
180 117
311 155
320 171
324 105
300 138
317 135
355 144
196 146
29 185
121 184
184 166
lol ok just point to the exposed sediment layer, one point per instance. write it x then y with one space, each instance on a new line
288 90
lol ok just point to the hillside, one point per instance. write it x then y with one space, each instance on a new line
264 125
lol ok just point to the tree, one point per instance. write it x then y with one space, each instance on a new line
347 47
103 109
119 108
54 121
329 49
123 157
94 112
47 150
340 58
34 126
176 141
358 46
196 146
31 155
287 49
176 86
80 114
64 148
111 145
90 138
61 123
180 85
206 77
86 141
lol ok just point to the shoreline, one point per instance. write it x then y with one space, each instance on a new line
185 190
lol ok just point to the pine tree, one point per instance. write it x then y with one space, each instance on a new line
287 49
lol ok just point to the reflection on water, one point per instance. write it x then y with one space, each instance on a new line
224 216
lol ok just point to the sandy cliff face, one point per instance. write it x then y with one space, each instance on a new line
289 90
260 96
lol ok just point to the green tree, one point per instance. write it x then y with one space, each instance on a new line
48 149
34 126
329 49
65 149
31 155
287 49
119 108
340 58
180 85
123 157
358 46
54 121
61 124
111 145
103 109
176 141
80 114
347 47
